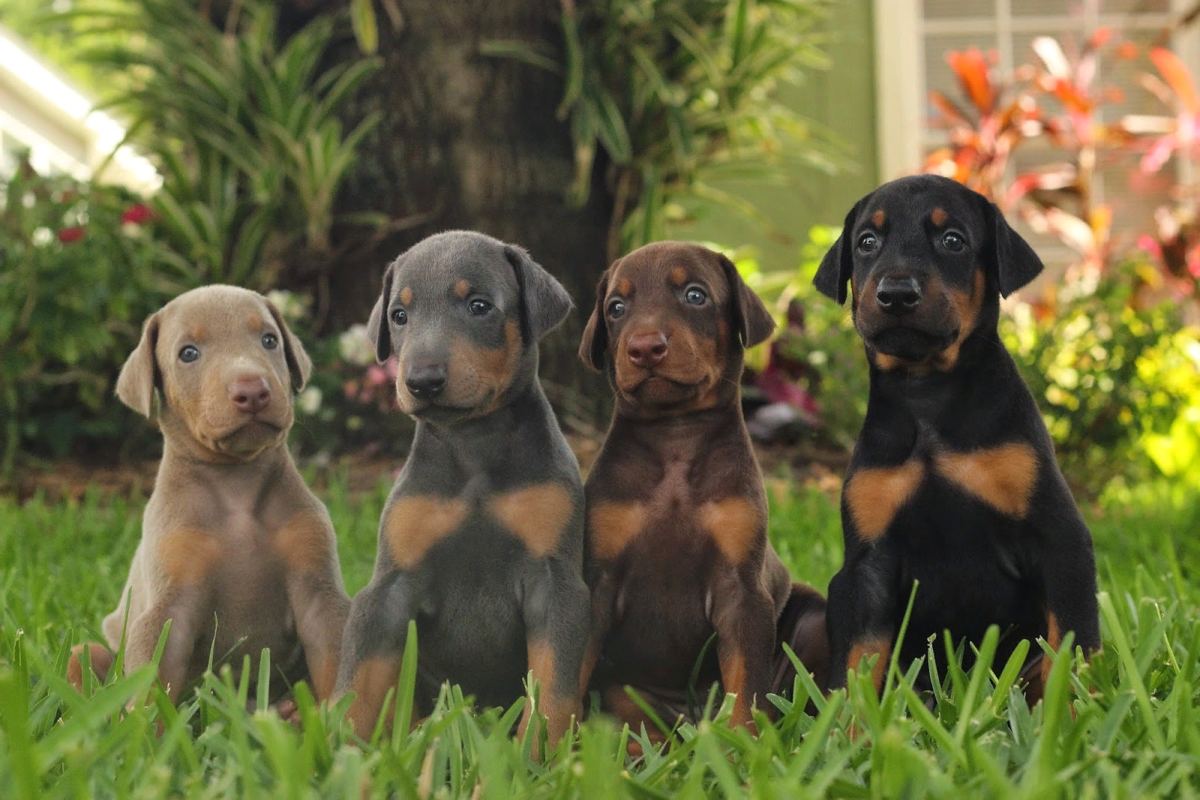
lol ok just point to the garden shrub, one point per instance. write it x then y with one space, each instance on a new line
79 271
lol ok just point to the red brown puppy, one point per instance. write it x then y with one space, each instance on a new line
236 552
677 544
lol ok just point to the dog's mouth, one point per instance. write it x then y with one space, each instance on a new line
248 438
659 390
910 343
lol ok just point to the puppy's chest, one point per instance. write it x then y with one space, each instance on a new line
943 486
531 520
673 520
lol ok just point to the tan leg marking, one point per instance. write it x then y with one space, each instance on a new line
1054 639
415 524
736 524
612 526
406 295
1003 476
536 514
305 543
874 495
733 681
188 555
554 704
322 674
371 683
870 647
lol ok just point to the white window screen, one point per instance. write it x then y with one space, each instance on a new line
1007 29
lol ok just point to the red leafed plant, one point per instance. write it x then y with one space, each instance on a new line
1056 99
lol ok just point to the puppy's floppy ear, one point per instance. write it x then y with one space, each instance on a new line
377 327
593 347
1014 261
140 375
838 263
299 364
544 301
752 318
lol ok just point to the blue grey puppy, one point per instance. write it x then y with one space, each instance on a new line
481 540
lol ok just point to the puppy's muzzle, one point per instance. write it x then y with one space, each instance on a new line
647 350
425 381
898 295
250 394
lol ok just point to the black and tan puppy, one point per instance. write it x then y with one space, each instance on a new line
953 481
481 540
677 544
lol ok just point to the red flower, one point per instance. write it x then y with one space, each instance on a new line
137 214
68 235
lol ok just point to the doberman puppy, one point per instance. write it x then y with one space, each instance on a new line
236 551
481 540
953 481
677 544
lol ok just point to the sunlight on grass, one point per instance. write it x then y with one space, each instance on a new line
1130 729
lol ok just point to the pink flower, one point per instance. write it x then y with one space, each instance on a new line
68 235
137 214
1149 246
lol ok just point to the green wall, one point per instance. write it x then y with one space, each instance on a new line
843 100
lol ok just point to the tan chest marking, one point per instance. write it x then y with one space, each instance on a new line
415 524
187 556
612 526
1054 639
874 495
1003 476
537 515
736 526
305 544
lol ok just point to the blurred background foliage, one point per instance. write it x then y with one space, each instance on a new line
662 100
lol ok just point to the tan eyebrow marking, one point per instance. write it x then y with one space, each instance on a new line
878 217
939 216
406 295
462 288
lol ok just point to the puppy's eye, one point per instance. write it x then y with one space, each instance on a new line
399 316
270 341
953 242
695 295
477 307
616 309
868 243
188 354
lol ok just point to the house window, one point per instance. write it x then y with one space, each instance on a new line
913 37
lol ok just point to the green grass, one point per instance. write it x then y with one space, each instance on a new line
1125 725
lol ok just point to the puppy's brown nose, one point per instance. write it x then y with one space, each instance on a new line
250 394
647 349
898 295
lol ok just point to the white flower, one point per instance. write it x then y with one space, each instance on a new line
42 237
309 401
291 306
355 346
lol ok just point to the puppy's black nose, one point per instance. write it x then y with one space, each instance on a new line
426 381
647 349
898 295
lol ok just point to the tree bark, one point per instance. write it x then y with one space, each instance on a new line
472 141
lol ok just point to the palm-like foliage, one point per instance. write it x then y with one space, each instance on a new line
243 129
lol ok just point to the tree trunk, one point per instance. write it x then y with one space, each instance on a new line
472 141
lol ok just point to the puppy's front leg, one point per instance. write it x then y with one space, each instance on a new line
373 647
321 607
861 613
1067 567
186 607
743 616
556 611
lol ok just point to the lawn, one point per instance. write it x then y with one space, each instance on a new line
1124 726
